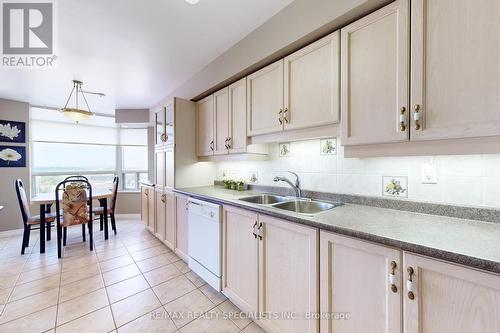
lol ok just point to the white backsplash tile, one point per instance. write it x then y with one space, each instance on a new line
464 180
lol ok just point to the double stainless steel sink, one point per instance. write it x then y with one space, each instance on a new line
292 204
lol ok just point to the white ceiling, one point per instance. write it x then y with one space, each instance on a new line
135 51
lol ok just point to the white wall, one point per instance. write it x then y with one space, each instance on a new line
10 216
463 180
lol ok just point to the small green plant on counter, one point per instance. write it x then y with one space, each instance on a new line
227 183
238 184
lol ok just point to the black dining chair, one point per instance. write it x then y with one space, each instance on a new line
76 178
76 205
29 221
111 207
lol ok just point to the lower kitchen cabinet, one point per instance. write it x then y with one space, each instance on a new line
181 226
449 298
169 238
356 292
240 258
288 269
145 190
159 230
270 266
151 210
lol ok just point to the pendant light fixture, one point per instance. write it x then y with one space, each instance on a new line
77 114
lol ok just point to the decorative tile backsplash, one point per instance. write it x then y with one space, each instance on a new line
395 186
472 180
284 149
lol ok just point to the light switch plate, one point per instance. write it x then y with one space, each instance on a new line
429 174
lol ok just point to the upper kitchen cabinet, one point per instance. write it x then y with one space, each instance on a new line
160 136
237 141
164 127
455 69
375 77
205 126
312 84
265 100
221 121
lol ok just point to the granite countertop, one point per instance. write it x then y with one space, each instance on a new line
471 243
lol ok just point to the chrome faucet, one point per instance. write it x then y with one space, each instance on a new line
296 186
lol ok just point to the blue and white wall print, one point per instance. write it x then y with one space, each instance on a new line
12 157
12 131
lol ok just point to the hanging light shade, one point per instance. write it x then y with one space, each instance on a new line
77 114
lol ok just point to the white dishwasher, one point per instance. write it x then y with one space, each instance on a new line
205 241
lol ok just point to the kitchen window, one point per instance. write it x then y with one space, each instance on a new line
97 149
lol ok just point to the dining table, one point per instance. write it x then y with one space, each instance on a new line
46 200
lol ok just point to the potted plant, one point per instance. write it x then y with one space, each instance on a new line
240 185
227 183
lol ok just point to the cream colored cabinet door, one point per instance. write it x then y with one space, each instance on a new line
355 285
375 77
159 229
455 69
450 298
144 204
160 138
170 167
221 135
181 226
205 126
240 258
151 210
237 142
288 269
169 237
312 84
160 168
265 100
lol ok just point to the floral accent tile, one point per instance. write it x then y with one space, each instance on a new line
284 149
253 177
395 186
328 146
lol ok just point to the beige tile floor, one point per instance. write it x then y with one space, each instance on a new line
129 283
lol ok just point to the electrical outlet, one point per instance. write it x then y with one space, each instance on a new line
429 174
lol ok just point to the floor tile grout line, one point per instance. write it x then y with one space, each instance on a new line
150 287
106 291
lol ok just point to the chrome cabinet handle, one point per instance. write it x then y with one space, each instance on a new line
286 116
254 233
402 119
212 145
416 116
229 142
226 144
279 119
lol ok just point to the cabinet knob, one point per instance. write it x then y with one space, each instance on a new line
416 116
402 119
